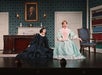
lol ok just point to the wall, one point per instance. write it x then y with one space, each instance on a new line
93 3
49 6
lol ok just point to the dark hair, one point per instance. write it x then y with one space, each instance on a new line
41 30
64 21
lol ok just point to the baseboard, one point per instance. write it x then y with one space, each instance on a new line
97 50
91 49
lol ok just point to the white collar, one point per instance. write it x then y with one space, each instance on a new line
42 35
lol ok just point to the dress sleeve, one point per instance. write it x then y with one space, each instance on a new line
46 42
72 35
59 36
34 40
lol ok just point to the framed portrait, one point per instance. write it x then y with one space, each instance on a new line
31 11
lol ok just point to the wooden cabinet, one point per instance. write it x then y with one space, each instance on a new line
16 43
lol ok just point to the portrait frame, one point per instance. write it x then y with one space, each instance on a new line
31 11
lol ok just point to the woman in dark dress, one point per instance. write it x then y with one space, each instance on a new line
38 48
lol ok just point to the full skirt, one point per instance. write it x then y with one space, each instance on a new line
67 50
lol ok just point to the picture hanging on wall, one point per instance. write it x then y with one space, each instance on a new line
31 11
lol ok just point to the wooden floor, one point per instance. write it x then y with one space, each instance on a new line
91 64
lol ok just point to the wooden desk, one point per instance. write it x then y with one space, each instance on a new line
16 43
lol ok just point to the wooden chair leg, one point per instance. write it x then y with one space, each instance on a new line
80 49
89 49
83 49
95 49
94 52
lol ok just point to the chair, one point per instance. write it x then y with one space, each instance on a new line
84 34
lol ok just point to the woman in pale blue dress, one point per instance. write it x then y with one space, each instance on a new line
65 46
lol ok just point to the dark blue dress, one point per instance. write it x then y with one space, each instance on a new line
38 49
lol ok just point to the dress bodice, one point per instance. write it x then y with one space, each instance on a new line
40 41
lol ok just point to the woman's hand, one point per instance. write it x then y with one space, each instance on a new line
80 39
61 39
28 45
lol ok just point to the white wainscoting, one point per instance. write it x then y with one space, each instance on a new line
28 30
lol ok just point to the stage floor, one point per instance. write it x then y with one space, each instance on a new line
91 62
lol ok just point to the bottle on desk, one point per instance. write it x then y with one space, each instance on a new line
30 25
41 25
20 24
